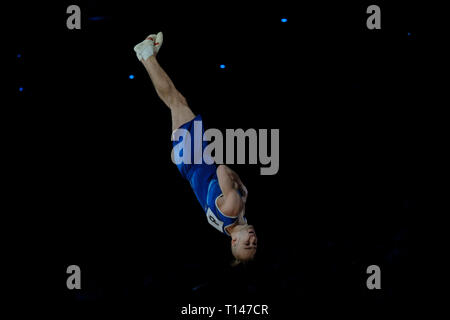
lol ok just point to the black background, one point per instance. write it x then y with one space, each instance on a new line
93 184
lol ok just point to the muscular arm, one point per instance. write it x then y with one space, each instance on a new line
232 203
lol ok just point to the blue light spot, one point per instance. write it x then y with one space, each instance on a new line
97 18
409 33
19 55
284 20
131 76
222 66
21 89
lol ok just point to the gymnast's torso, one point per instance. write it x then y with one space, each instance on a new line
214 215
204 182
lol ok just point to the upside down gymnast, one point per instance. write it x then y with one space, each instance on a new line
219 189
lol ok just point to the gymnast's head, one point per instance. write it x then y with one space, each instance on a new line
243 243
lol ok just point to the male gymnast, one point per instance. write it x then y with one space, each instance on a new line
219 189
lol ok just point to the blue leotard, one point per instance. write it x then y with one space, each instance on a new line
202 177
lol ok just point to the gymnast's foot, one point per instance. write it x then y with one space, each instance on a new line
149 47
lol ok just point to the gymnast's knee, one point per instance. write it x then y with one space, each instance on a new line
173 99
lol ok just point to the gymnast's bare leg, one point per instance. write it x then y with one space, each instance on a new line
233 193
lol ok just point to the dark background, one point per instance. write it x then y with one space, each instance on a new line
93 184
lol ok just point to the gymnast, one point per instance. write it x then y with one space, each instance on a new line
219 189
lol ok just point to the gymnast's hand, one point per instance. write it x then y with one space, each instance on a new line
243 191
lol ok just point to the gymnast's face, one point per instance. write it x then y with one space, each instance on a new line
245 243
